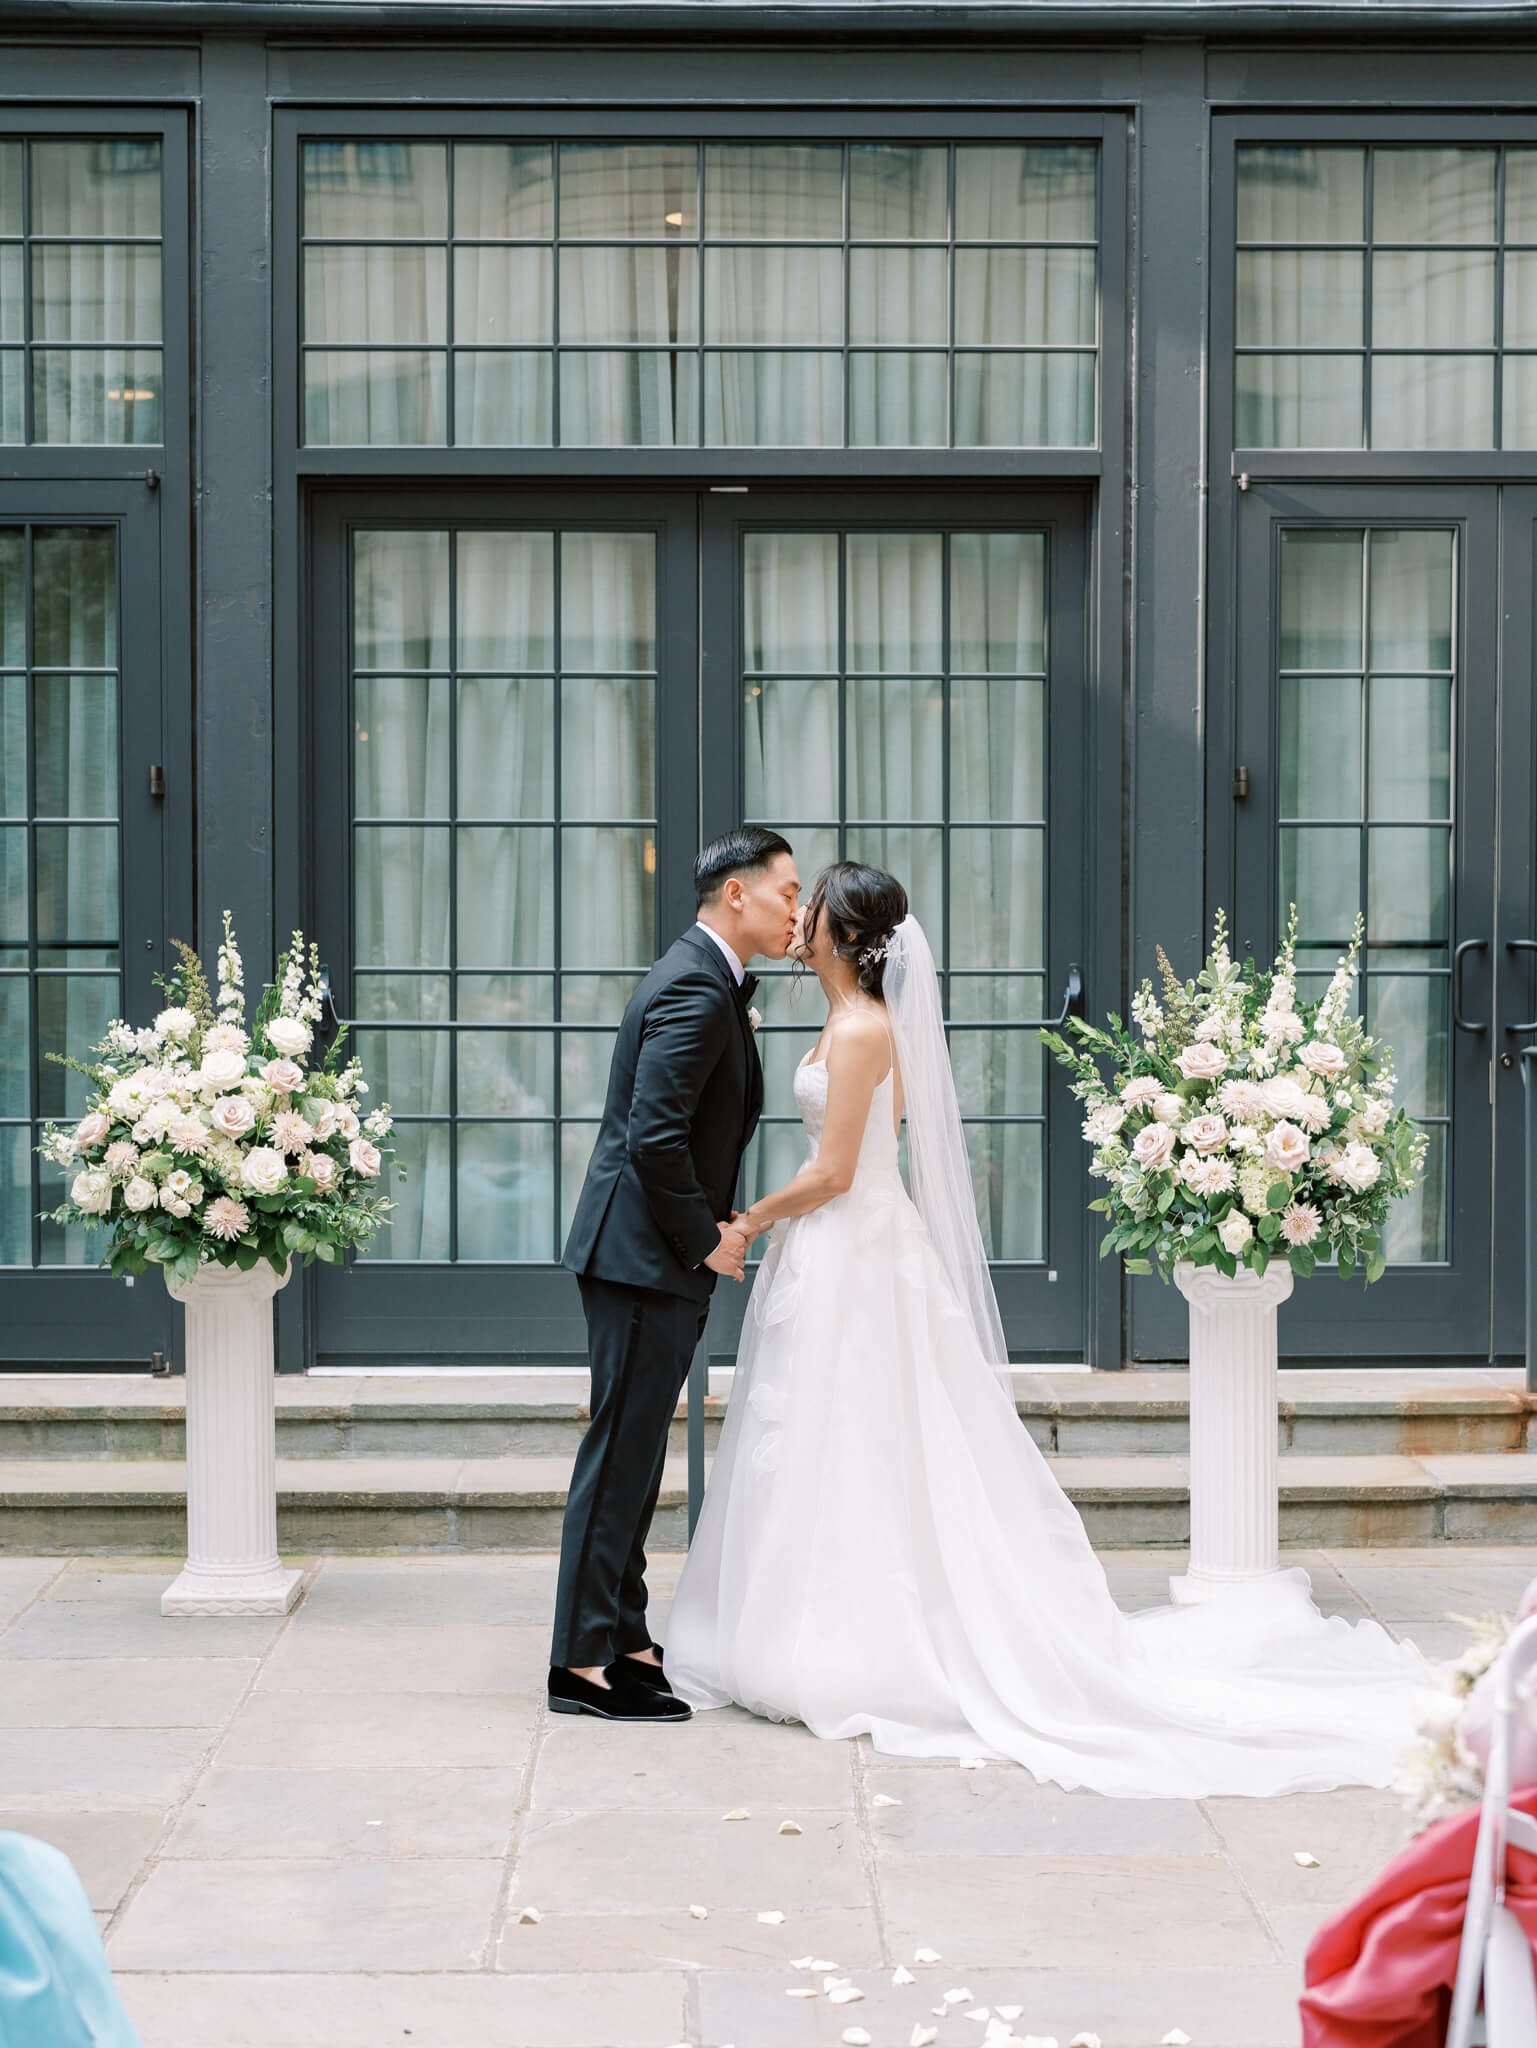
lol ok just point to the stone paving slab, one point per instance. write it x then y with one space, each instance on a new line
322 1829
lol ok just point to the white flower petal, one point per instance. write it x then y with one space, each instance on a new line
846 1994
836 1983
737 1813
771 1919
940 2012
925 1955
1175 2038
922 2036
801 1963
821 1963
1304 1860
902 1975
1085 2041
856 2037
699 1912
884 1799
1009 2012
529 1917
790 1827
961 1997
801 1991
978 2012
973 1763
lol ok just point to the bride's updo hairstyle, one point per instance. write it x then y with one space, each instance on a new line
863 906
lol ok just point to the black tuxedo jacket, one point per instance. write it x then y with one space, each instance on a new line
685 1091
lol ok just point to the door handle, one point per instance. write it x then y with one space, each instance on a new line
1071 1004
1522 946
1467 946
327 1002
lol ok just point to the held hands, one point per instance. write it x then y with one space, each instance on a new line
730 1255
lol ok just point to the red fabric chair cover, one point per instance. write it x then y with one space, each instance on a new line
1379 1974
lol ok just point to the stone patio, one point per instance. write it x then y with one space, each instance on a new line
320 1832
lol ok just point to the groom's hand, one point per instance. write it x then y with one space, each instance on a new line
730 1255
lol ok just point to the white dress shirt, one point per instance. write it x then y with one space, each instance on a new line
738 971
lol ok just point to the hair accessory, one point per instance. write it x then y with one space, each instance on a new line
876 952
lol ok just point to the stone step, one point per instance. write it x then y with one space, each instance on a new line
1405 1412
50 1506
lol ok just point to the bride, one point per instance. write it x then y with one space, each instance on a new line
883 1549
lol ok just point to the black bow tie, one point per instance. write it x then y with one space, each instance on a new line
746 987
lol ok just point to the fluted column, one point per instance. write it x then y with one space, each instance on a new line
232 1535
1234 1475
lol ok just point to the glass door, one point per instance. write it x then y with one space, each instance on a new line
83 871
1366 685
903 682
1514 947
505 811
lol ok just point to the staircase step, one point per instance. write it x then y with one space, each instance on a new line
50 1506
1408 1412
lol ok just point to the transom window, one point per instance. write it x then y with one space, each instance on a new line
668 294
1367 675
81 318
1386 297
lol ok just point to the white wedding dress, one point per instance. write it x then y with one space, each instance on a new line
883 1550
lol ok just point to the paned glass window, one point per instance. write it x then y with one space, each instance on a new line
894 698
1366 685
503 863
60 917
807 294
81 317
1386 297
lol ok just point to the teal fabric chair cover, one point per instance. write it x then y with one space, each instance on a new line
56 1989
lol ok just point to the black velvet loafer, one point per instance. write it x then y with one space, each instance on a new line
651 1675
619 1700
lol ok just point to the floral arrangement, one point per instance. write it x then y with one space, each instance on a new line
1239 1125
1440 1775
208 1141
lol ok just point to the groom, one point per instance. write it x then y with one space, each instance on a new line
653 1228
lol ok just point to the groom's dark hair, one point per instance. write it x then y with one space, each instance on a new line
745 851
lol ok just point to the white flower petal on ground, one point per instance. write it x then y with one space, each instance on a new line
926 1955
961 1997
1305 1860
846 1994
530 1917
801 1991
737 1813
973 1763
884 1799
1010 2012
979 2012
699 1912
836 1983
1085 2041
801 1963
1175 2038
922 2036
771 1919
902 1975
790 1827
821 1963
856 2037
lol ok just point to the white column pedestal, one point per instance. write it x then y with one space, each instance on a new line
1234 1475
232 1533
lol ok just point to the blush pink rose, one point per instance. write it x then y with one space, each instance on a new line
1153 1147
233 1115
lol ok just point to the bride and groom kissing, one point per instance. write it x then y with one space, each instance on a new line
883 1549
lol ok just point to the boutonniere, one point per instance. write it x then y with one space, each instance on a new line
754 1016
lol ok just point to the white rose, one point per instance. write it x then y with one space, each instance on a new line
221 1069
1358 1167
1321 1058
1288 1148
263 1171
92 1191
1207 1133
1168 1108
233 1115
321 1168
140 1194
1153 1147
1235 1230
347 1122
1374 1117
1202 1061
282 1076
328 1120
288 1036
175 1023
363 1157
92 1130
1140 1090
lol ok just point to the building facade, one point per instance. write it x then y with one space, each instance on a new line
453 458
